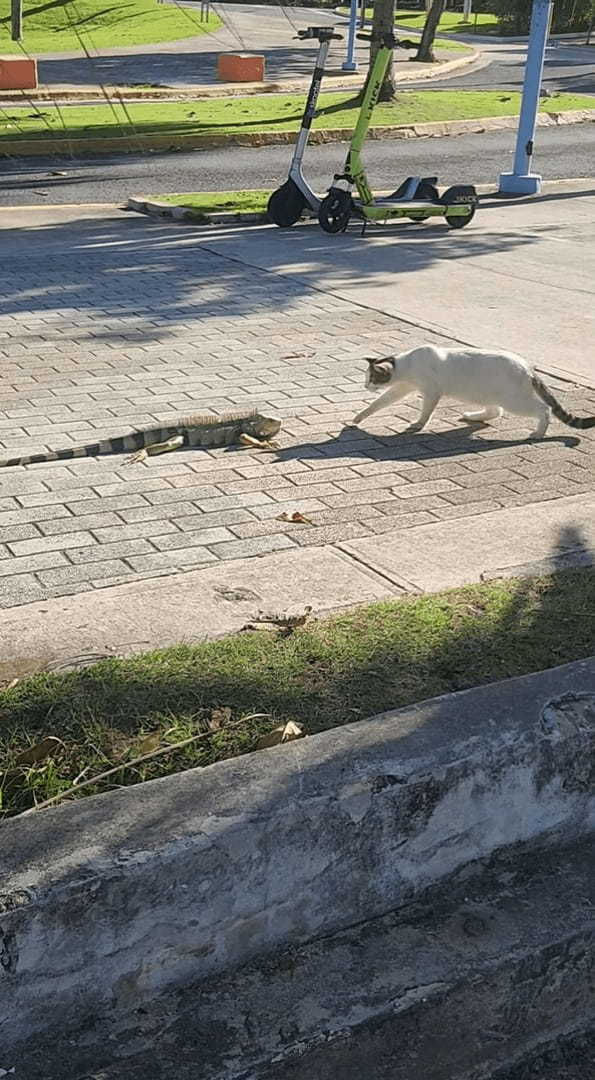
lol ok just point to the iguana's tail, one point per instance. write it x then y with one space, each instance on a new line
135 440
560 413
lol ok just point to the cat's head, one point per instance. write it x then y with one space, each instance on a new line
380 370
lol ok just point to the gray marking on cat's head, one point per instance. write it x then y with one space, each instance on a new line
380 370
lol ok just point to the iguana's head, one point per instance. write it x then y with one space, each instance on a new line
266 426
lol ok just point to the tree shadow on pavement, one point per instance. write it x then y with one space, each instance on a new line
150 274
168 66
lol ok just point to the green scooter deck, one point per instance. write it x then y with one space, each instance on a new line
416 208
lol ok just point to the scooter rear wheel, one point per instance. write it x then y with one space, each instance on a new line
286 205
458 221
335 211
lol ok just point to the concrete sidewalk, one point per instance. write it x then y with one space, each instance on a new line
221 599
521 277
109 321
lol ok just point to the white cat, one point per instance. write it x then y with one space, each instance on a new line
495 380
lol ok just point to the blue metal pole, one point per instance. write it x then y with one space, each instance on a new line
521 181
350 63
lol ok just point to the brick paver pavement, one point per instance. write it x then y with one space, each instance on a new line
109 322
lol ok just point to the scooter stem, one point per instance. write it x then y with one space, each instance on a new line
354 165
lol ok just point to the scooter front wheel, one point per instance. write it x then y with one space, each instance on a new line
286 205
335 211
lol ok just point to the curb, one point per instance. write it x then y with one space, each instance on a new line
112 900
139 143
337 81
485 951
156 208
181 93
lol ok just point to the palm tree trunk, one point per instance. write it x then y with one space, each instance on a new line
425 53
383 23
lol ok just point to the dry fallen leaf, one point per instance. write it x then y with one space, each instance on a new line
286 623
299 519
10 686
282 734
149 743
43 749
219 717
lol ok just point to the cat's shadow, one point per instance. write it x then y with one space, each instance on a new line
413 445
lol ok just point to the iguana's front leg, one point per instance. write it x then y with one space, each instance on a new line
258 444
156 448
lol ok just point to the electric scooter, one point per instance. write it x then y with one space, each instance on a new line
288 202
417 197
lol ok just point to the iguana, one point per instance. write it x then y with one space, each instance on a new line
192 431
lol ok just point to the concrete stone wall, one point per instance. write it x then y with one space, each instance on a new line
106 902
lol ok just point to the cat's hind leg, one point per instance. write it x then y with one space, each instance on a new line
491 412
543 415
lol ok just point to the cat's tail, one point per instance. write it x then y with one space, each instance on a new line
559 412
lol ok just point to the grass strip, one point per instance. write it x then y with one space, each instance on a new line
217 202
451 22
262 113
325 674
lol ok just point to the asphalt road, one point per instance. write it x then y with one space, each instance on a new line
560 153
568 67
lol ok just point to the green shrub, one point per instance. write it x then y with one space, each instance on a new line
514 16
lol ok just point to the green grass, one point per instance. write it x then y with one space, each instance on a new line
52 26
211 202
218 116
452 22
323 675
450 46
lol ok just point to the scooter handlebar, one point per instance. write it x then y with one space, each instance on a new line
321 33
387 41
